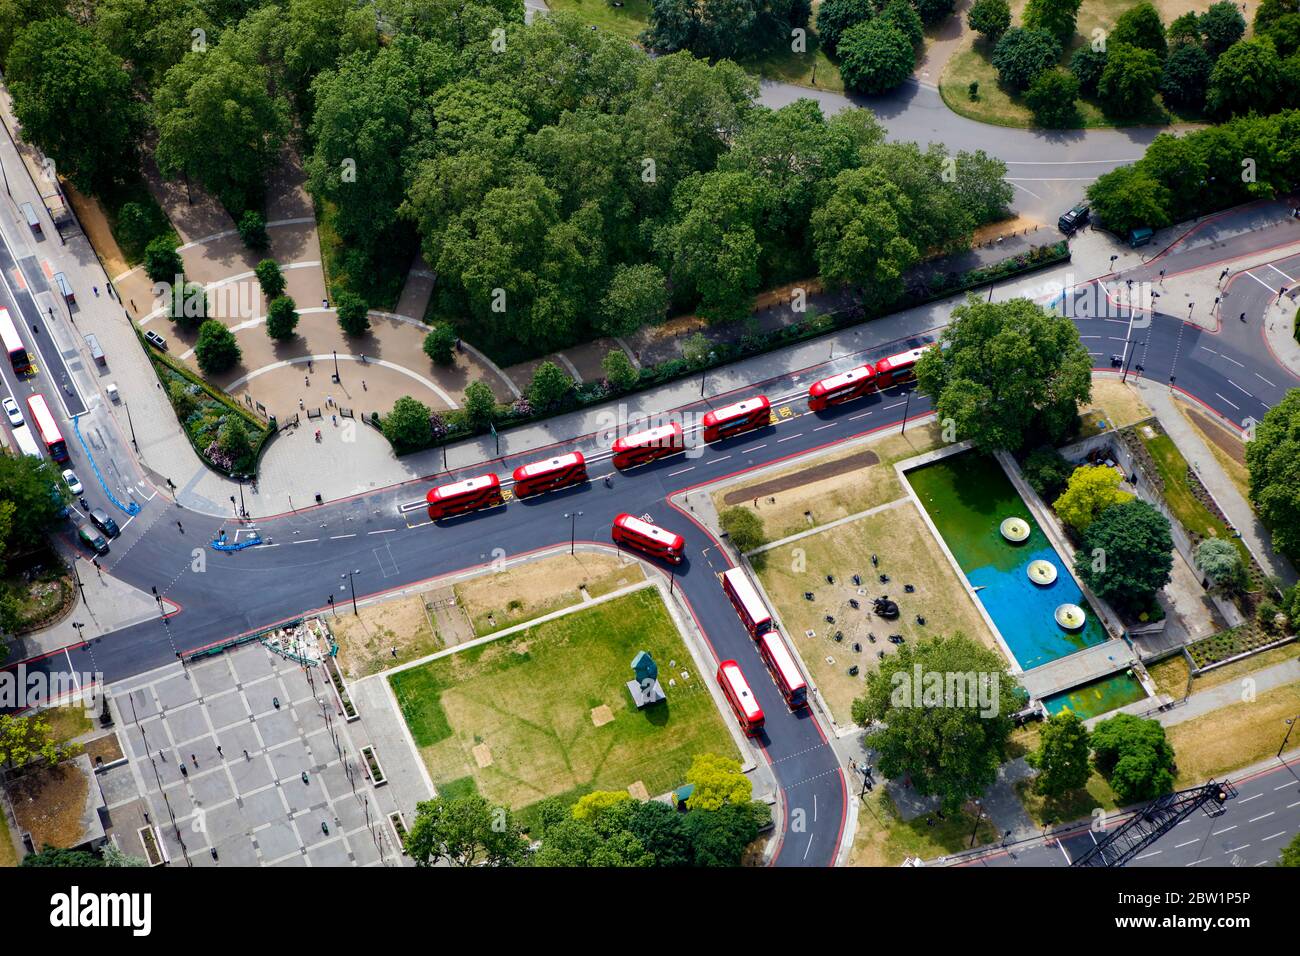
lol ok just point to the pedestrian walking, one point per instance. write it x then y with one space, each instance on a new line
194 760
1243 316
95 289
184 772
335 420
301 406
162 756
363 386
219 753
306 381
246 756
180 527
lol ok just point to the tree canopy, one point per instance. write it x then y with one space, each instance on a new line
1127 554
1090 490
1133 754
1273 461
1062 755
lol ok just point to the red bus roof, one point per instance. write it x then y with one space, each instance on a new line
730 672
739 585
646 529
850 377
783 660
443 492
902 359
650 436
743 409
45 424
558 463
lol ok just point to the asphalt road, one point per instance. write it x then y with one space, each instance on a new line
386 536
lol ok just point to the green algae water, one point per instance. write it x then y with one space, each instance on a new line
1098 697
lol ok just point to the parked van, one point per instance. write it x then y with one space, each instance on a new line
1076 218
101 520
92 539
1139 237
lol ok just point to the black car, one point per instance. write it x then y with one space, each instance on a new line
1076 218
92 539
100 519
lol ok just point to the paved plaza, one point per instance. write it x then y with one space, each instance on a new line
286 788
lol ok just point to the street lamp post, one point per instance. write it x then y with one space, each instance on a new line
573 528
979 815
336 366
907 404
1290 725
78 625
132 424
332 607
240 479
352 584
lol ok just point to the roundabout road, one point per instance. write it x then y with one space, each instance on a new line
386 535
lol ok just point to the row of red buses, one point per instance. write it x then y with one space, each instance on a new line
13 344
785 672
744 598
649 445
856 382
465 496
558 472
737 418
743 704
630 531
47 429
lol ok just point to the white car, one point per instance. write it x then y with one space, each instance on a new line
72 481
12 410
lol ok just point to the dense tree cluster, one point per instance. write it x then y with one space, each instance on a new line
1273 459
714 30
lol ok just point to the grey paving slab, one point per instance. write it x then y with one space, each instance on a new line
212 676
236 738
334 853
224 822
139 704
277 840
297 860
364 851
250 775
237 851
309 828
175 692
265 806
180 801
188 727
276 728
304 797
210 788
226 709
251 667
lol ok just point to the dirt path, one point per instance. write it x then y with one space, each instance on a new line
817 473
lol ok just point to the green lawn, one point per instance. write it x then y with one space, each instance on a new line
884 838
629 19
513 719
1187 508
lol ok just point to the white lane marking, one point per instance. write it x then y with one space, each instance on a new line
1224 830
1250 798
1061 847
382 531
1264 817
748 451
1194 862
1260 281
1290 805
856 417
1283 787
1236 848
820 427
895 405
809 846
1188 843
1271 385
1273 836
788 437
305 541
1229 358
1147 855
1239 388
1210 350
1237 407
681 472
1280 272
723 458
336 537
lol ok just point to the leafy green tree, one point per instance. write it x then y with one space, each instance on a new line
26 739
1062 756
717 781
353 313
619 370
1186 76
73 100
15 15
1053 98
578 843
233 440
989 18
875 57
150 36
1221 562
1047 471
182 401
218 125
1246 78
162 259
719 837
1009 372
1222 25
463 831
1273 461
1022 54
1129 81
1127 554
1140 26
1285 34
252 230
859 239
25 484
718 30
592 805
950 747
1091 489
934 11
550 384
1128 198
903 15
114 857
662 831
281 318
1291 854
270 278
1087 64
192 307
637 295
407 426
1133 754
1056 17
480 404
1184 30
216 349
743 527
440 343
50 856
836 16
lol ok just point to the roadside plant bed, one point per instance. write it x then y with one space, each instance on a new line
152 851
38 596
1242 639
202 410
452 426
340 688
372 765
399 827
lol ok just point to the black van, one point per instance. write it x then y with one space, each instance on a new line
100 519
92 539
1076 218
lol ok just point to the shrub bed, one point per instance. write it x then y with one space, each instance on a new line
1242 639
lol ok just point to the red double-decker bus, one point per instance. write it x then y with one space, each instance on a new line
558 472
785 672
736 689
844 387
630 531
464 496
895 369
649 445
744 598
13 344
47 429
734 419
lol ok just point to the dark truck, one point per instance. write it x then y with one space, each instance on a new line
1073 220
